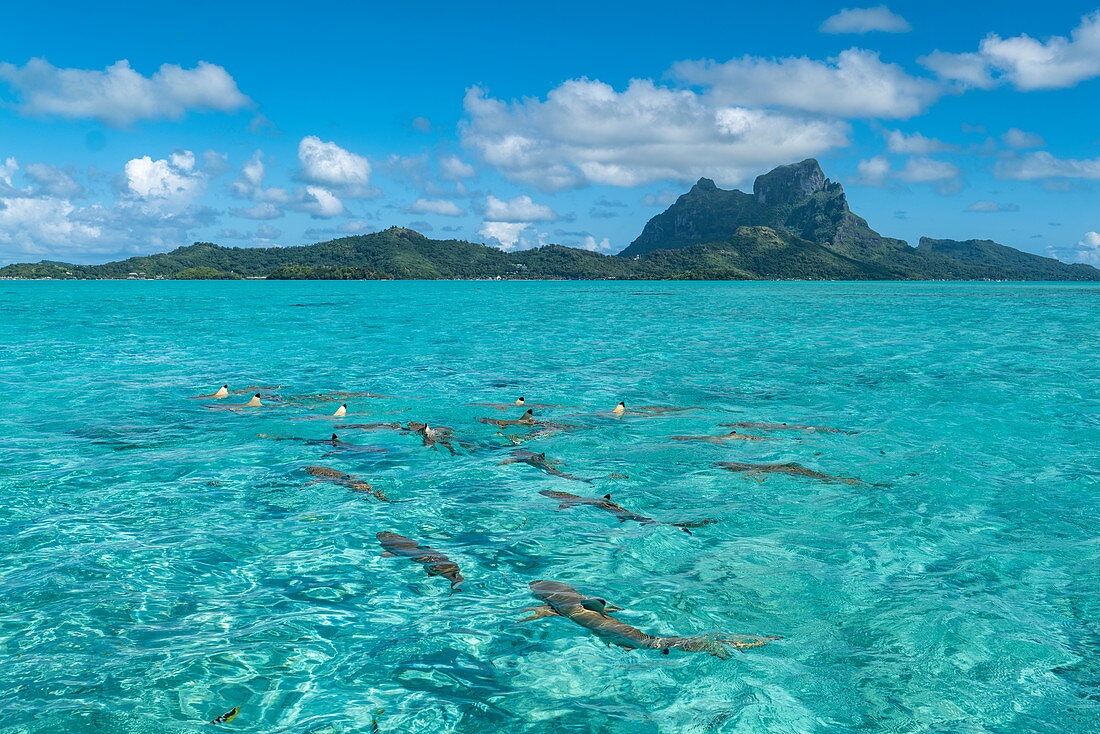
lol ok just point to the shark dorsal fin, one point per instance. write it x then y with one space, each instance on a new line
607 497
528 414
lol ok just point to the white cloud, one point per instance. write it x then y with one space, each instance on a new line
1041 164
854 84
118 95
505 234
873 171
927 170
1086 251
327 164
452 168
320 203
7 169
877 171
1091 244
53 181
585 132
44 226
591 243
249 184
262 211
518 209
1017 138
168 184
1025 62
914 144
440 207
989 207
865 20
945 177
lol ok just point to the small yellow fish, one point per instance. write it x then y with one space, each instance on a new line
374 721
227 716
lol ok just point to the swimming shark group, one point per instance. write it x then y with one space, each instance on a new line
558 599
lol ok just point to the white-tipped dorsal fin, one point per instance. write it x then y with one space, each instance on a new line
341 411
255 401
222 391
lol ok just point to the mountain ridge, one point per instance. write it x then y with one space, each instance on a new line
796 224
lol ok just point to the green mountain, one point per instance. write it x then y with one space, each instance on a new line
393 253
1006 263
812 212
796 224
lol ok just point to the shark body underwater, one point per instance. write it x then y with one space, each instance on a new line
788 468
539 461
562 600
436 563
604 503
327 474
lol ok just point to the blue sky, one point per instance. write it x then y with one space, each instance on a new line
138 128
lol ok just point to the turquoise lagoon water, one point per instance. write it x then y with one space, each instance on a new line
161 563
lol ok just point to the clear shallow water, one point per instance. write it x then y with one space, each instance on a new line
160 563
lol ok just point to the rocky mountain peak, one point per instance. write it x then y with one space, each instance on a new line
789 184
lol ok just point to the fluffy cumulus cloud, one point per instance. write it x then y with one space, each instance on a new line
585 132
857 83
914 144
1089 248
119 95
320 203
518 209
505 235
866 20
327 164
1086 251
945 177
167 184
1043 165
155 209
439 207
873 171
43 227
1025 62
54 181
601 245
249 184
453 168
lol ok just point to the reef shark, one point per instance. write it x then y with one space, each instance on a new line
788 468
731 436
784 427
562 600
326 474
539 461
604 503
437 564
